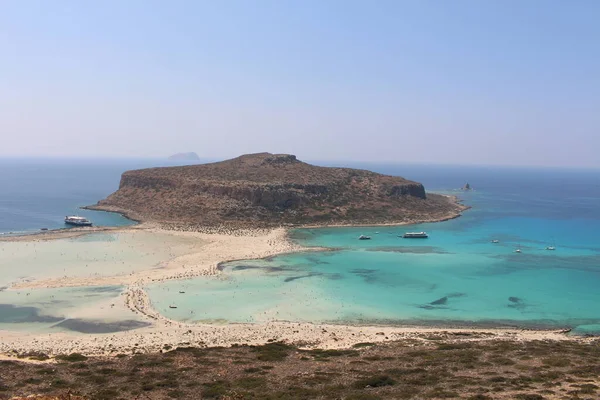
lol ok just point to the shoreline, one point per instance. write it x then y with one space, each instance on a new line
215 250
375 225
66 233
162 334
84 230
115 210
59 233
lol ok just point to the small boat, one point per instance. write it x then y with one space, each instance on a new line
44 229
415 235
495 241
77 221
363 237
517 250
172 306
181 291
550 248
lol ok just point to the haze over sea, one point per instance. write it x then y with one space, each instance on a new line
456 277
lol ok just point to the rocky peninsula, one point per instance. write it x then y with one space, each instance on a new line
269 190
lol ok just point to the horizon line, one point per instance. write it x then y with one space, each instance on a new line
339 162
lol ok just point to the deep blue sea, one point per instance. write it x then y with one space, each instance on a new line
38 193
456 277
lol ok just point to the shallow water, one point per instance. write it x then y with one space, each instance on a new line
456 277
93 255
90 309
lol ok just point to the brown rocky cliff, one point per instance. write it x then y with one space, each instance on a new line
268 190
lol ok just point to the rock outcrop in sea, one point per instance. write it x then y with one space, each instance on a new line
265 190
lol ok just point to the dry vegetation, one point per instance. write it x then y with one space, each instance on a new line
266 190
410 369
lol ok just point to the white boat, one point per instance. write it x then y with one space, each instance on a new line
550 248
415 235
363 237
495 241
517 250
77 221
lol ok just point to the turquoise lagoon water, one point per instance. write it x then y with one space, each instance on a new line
457 277
38 193
88 309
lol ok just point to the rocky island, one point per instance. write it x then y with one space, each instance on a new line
268 190
190 156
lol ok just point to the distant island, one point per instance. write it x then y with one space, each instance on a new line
191 156
268 190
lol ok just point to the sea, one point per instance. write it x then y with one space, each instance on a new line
39 193
456 277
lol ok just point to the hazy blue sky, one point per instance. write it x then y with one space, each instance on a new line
480 81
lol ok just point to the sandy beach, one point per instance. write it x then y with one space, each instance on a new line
202 259
211 249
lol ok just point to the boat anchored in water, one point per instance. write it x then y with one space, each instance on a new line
77 221
415 235
495 241
363 237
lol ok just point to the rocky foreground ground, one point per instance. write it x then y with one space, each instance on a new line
439 366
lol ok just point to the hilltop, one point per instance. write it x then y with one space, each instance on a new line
264 190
